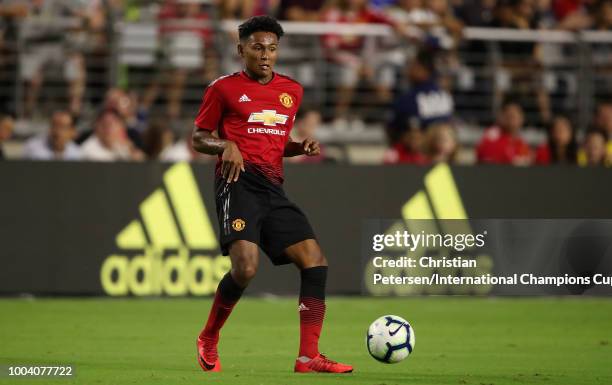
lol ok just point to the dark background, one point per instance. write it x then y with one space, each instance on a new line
58 221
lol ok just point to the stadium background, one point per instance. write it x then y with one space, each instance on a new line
130 77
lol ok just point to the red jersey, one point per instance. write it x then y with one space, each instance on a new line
400 154
543 155
257 117
496 146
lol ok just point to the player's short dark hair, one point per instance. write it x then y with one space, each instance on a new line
262 23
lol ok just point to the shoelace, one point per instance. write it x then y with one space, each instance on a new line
323 363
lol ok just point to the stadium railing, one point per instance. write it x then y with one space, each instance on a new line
574 69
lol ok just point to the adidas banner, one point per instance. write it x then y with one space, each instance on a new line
150 229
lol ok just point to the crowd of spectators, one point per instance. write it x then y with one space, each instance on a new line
409 72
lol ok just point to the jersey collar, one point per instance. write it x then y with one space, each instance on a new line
244 75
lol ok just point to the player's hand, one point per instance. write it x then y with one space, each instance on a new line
311 147
231 162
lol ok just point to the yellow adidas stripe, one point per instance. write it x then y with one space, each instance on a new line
190 210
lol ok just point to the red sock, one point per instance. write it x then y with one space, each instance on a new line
219 313
312 312
227 295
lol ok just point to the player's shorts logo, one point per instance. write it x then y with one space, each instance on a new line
286 100
238 224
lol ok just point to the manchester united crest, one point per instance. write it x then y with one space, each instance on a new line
286 100
238 224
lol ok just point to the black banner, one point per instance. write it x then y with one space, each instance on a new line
150 229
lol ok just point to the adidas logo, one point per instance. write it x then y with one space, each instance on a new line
439 200
303 307
436 209
244 98
173 223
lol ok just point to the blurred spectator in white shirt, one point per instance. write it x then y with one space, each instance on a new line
109 141
57 144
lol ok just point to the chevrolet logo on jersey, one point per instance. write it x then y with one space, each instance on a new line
268 118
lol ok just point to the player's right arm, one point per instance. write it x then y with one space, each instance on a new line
203 140
231 159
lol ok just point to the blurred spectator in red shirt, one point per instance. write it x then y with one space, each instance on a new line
441 143
409 149
561 146
502 143
595 150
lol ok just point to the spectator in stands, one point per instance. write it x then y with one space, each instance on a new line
11 12
301 10
126 105
594 146
602 18
243 9
306 125
446 23
409 149
521 71
49 43
57 144
184 49
6 130
602 122
109 141
441 143
424 103
428 25
348 51
477 13
502 142
561 146
160 143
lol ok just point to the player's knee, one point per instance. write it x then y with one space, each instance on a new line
313 259
244 271
319 259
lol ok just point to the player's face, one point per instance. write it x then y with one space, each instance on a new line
259 53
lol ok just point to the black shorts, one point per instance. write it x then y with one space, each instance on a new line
256 210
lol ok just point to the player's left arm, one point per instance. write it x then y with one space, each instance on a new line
308 146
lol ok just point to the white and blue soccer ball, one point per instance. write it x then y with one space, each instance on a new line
390 339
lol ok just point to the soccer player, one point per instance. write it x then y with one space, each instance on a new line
245 118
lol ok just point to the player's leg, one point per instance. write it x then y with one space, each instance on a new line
287 237
245 259
308 257
239 209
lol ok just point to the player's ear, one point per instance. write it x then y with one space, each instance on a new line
240 49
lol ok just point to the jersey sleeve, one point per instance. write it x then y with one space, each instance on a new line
211 110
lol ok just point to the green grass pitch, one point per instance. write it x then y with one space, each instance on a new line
458 341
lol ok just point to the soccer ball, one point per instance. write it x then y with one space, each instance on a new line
390 339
